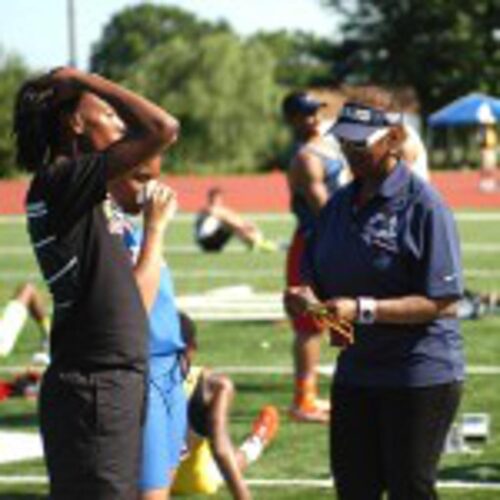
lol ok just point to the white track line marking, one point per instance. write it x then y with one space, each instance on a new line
23 479
178 274
482 273
183 217
284 483
477 216
184 274
484 248
186 217
19 446
481 247
328 483
326 370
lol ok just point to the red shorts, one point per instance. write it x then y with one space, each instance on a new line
304 324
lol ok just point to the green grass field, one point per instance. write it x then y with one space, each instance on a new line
300 451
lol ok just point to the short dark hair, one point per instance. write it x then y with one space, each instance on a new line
213 192
300 103
37 124
287 103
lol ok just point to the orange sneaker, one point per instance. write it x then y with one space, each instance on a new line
311 413
266 425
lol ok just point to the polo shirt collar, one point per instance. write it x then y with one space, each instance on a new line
392 188
395 181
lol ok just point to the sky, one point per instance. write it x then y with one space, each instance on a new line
37 29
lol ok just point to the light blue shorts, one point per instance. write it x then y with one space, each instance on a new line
165 427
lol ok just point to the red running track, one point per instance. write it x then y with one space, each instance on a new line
268 192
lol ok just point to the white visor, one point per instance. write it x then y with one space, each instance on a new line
356 132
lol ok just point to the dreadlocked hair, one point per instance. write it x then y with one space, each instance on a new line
36 124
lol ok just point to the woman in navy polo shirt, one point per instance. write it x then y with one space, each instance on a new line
385 255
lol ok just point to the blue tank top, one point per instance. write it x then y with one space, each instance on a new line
333 166
164 326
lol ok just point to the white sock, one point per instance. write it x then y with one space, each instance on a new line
252 448
11 324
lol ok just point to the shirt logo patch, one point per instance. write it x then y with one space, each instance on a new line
380 231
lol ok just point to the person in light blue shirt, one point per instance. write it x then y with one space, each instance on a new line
385 256
165 425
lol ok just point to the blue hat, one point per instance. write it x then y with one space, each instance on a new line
301 103
357 122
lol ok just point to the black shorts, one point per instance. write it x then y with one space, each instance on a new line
214 240
91 424
198 410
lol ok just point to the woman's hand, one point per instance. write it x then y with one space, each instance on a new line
343 308
299 299
160 207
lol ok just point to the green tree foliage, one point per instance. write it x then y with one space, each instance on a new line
12 73
223 91
443 48
302 59
135 31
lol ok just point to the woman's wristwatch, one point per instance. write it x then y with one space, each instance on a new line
366 310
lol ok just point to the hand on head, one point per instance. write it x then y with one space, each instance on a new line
58 85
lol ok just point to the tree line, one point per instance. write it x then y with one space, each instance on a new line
226 89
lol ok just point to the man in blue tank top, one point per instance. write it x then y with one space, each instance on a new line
315 172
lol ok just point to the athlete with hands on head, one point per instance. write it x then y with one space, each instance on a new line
76 132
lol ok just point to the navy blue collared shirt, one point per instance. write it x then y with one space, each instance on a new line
402 242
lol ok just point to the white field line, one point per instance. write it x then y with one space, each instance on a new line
186 217
484 248
171 250
182 274
23 480
481 247
326 370
477 216
284 483
482 273
328 483
183 217
12 219
178 274
243 370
